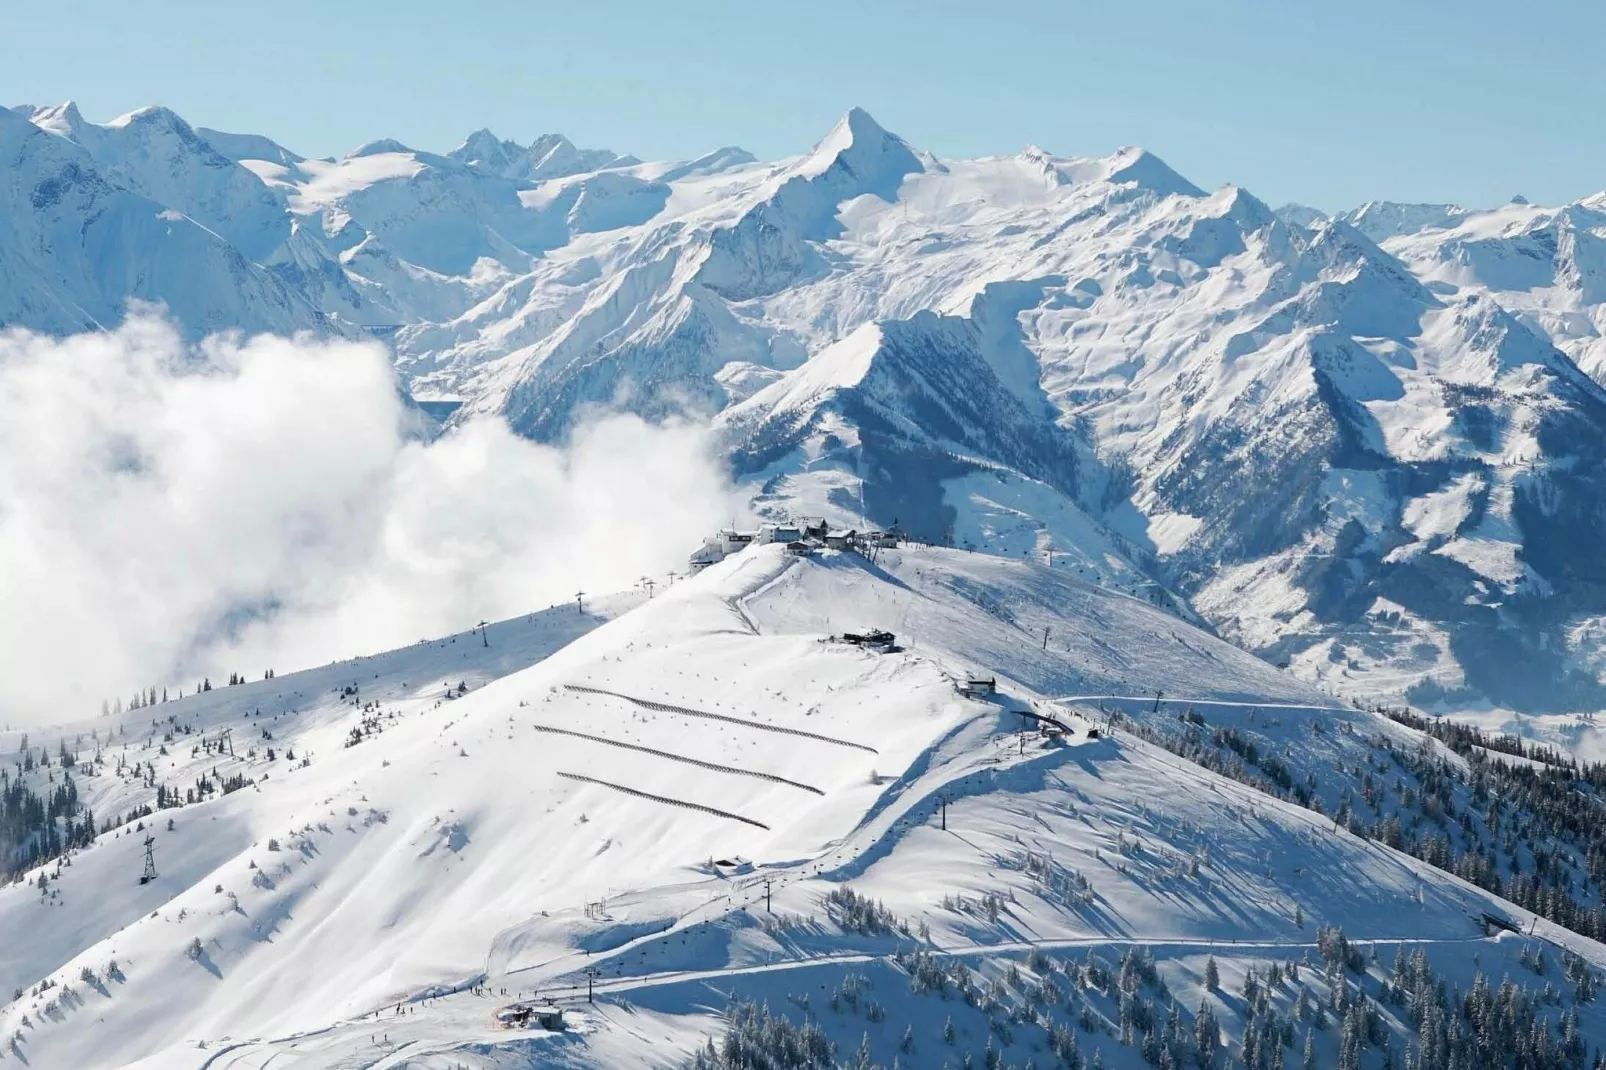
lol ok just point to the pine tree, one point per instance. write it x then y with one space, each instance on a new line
1212 975
1206 1033
1349 1044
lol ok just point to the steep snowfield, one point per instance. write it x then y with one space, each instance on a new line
567 814
76 245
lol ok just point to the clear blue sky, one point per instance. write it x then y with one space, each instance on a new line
1329 103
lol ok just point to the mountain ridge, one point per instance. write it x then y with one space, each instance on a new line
1311 427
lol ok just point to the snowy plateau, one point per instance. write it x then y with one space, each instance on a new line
1202 486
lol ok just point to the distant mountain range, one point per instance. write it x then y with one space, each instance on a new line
1368 446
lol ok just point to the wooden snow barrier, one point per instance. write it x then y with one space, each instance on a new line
664 799
771 777
663 707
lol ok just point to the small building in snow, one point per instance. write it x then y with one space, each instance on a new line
841 540
882 642
531 1016
707 554
979 687
799 548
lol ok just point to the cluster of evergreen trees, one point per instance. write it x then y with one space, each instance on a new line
35 828
1413 1020
1532 831
755 1039
1504 1027
1550 811
857 913
140 701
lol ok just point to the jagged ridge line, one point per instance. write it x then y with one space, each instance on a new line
664 707
678 757
665 799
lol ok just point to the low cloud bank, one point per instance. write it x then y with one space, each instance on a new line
169 512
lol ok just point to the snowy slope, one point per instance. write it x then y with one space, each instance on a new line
568 814
76 245
1127 359
155 153
1364 445
1545 265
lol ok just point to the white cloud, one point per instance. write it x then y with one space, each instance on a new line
170 511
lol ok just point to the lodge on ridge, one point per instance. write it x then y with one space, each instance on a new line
801 536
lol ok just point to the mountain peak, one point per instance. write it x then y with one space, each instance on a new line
481 138
376 148
150 113
856 128
548 156
862 123
485 149
1132 163
859 145
64 118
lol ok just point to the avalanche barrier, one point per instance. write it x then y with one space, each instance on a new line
665 799
771 777
663 707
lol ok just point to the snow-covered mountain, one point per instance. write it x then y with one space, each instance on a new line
78 242
1363 445
656 812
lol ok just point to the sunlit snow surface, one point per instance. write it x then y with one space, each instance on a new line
1292 421
456 845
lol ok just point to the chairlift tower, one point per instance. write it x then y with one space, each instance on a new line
150 860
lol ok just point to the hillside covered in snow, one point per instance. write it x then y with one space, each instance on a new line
1365 446
1051 825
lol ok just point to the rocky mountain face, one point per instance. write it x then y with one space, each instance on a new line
1366 446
